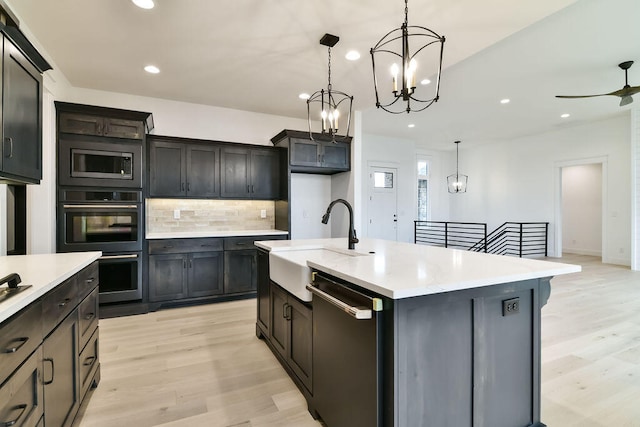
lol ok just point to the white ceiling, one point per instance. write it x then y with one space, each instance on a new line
258 55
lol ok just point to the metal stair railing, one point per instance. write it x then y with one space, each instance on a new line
522 239
460 235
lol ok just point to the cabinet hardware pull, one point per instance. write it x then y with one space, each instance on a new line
188 186
22 340
288 311
89 361
64 302
9 140
106 257
357 312
182 186
99 129
284 310
22 408
167 247
53 370
89 316
190 263
90 280
252 188
248 191
184 263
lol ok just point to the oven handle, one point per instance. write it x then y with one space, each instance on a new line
358 313
105 257
100 206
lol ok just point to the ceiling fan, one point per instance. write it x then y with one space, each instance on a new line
624 93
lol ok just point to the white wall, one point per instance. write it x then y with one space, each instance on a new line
310 196
582 209
402 155
516 180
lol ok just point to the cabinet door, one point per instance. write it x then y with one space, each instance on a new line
279 334
167 173
336 155
80 124
205 274
21 403
60 373
304 152
300 340
21 116
123 128
203 171
234 173
167 277
263 290
240 271
265 183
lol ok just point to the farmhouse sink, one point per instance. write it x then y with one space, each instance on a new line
290 270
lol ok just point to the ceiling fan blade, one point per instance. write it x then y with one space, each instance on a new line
626 100
626 91
582 96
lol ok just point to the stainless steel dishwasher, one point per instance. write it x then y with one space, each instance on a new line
347 354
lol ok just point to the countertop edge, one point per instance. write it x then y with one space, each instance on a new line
213 234
38 290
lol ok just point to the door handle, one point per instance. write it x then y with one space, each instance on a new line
9 140
47 382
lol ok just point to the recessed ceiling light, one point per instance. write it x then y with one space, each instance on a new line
144 4
505 101
352 55
565 115
425 81
304 96
152 69
412 125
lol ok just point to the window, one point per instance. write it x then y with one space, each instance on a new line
423 180
383 180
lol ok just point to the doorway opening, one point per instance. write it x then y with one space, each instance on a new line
580 218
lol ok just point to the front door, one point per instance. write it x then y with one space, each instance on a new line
383 218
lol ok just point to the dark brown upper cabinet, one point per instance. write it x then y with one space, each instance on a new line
21 110
249 173
317 156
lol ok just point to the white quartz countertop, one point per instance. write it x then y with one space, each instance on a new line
402 270
43 272
196 234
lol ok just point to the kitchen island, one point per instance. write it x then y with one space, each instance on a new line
48 337
453 337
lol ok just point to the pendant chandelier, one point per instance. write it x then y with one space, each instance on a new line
330 101
393 48
457 183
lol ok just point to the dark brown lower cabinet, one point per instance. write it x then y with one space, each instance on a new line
21 402
291 332
60 373
240 271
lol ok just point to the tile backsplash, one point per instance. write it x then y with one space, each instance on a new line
208 215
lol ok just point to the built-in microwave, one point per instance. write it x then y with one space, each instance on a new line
100 164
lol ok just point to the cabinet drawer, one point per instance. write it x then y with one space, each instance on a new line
19 336
240 243
21 403
87 280
88 363
87 317
169 246
57 304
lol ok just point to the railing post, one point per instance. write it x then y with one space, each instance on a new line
546 231
485 238
446 234
520 251
415 232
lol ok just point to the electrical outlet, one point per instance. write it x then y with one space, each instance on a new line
510 306
263 213
176 214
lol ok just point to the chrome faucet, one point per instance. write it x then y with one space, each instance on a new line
352 232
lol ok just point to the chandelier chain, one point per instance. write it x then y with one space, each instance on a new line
329 73
406 12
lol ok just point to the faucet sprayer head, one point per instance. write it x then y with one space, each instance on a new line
325 217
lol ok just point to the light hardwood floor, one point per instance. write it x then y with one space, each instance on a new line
204 366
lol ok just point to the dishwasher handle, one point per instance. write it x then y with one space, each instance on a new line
356 312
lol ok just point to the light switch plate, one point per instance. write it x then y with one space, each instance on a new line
176 214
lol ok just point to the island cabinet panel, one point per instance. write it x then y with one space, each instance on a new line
465 347
291 333
61 373
19 337
264 307
21 401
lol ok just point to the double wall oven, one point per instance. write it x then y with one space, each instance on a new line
101 208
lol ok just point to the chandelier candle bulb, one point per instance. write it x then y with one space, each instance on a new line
394 73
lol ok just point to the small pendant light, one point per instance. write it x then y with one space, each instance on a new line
457 183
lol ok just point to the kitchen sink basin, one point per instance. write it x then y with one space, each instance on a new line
349 252
290 270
